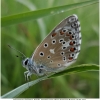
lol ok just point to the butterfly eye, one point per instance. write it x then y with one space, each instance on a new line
53 41
26 62
46 45
41 54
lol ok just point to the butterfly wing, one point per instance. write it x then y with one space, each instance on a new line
61 47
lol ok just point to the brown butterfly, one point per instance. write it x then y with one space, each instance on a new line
57 51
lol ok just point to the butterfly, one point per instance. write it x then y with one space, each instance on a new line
57 51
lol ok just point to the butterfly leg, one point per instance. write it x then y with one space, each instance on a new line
25 74
28 75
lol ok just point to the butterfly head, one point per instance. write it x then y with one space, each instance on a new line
30 65
27 63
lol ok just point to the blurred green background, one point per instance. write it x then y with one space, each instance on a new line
27 36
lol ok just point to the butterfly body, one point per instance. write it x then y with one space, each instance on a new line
58 50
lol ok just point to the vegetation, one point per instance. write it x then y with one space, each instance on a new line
24 34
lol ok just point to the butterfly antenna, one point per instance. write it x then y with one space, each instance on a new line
19 56
23 56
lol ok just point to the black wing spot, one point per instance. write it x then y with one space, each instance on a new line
41 54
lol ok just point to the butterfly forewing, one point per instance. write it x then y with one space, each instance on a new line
61 47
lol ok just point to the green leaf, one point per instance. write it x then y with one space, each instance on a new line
18 18
78 69
70 70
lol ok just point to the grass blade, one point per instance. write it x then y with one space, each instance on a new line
79 68
18 18
17 91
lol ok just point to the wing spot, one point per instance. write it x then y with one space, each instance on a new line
72 37
52 51
54 34
59 65
72 54
64 42
41 54
46 45
51 61
64 58
48 57
61 40
63 31
62 53
72 43
53 41
72 49
64 48
72 19
69 33
70 58
73 25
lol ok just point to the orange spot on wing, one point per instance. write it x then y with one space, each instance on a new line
71 37
67 34
72 49
71 43
70 58
54 34
61 33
